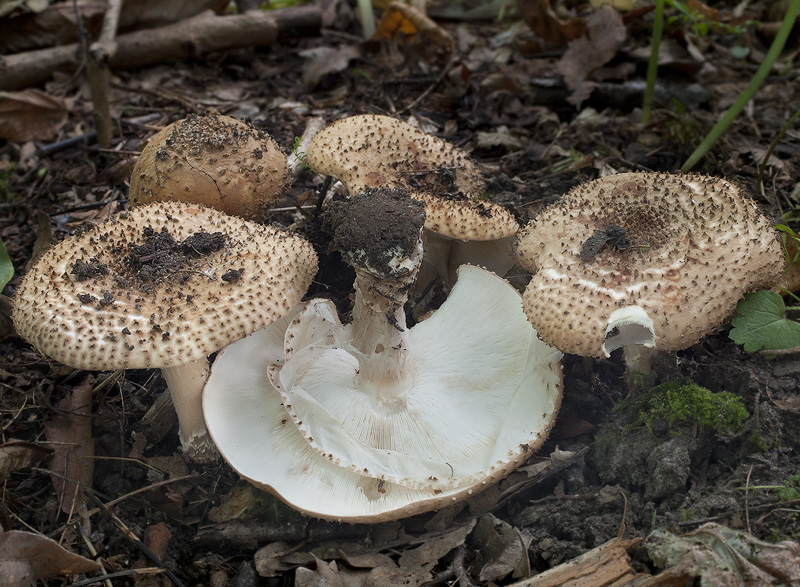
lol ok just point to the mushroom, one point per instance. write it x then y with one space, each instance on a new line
164 285
213 160
371 420
644 259
372 151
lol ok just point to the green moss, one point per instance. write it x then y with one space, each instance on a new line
684 403
757 441
791 488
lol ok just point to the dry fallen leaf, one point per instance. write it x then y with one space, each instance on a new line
720 556
403 21
325 575
415 565
15 455
26 557
325 60
605 35
501 548
30 115
70 433
541 18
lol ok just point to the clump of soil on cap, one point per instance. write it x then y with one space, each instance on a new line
376 228
83 270
160 257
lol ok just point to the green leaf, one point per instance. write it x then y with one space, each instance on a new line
759 323
6 268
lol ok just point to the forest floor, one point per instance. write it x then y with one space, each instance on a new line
498 91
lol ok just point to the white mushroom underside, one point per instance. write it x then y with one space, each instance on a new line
477 412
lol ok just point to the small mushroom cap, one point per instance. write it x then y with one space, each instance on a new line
695 245
372 151
214 160
482 394
119 295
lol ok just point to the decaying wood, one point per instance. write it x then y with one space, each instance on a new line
159 419
247 534
608 564
195 36
99 74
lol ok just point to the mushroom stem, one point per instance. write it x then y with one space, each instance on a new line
379 323
638 365
185 383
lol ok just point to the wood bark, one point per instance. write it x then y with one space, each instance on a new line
189 38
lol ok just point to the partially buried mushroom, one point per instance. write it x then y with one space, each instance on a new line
650 259
163 285
372 151
372 420
214 160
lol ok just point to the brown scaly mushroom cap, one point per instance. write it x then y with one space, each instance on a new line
644 258
213 160
372 151
163 285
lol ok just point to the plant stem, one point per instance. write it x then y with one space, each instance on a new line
755 83
772 146
367 17
652 66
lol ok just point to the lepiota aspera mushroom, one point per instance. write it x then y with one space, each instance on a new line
651 259
373 151
162 286
214 160
372 421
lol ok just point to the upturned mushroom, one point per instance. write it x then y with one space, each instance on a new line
644 259
162 286
214 160
372 151
371 420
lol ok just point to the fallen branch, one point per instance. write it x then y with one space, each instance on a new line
99 74
199 35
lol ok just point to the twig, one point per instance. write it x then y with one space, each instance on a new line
450 62
99 74
187 38
790 351
747 500
67 143
93 552
622 524
135 539
145 571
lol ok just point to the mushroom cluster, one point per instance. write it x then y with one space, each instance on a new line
650 259
372 420
163 285
214 160
372 151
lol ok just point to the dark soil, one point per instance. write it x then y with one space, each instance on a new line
370 229
608 470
